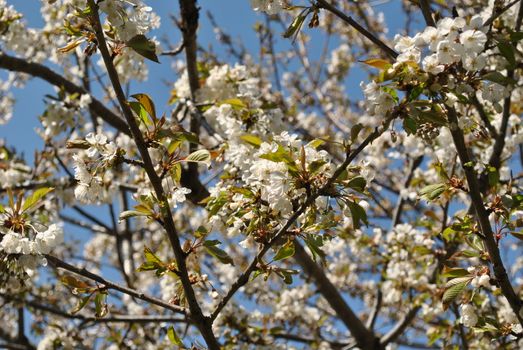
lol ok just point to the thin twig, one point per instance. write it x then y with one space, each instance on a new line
349 20
108 284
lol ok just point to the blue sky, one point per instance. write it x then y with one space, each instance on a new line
234 16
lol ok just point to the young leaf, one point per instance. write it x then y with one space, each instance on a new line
316 143
141 112
81 304
144 47
358 214
432 192
151 257
147 103
211 247
173 337
454 272
34 199
200 156
377 63
131 213
355 131
357 183
285 251
71 45
100 304
296 24
453 292
235 103
507 50
252 140
314 243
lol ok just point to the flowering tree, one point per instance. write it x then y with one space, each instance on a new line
267 207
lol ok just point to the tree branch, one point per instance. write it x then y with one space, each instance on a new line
365 338
427 13
112 319
482 215
350 21
56 262
244 277
15 64
202 322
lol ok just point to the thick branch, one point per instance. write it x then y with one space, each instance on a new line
482 215
200 320
365 338
37 70
427 13
400 326
189 26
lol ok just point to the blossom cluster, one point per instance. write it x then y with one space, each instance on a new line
93 180
271 7
130 21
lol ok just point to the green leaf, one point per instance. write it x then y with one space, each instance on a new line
314 243
453 292
176 173
315 165
252 140
357 183
81 304
286 274
458 280
151 257
34 199
518 235
147 103
432 192
454 272
211 247
75 283
144 47
285 251
131 213
355 131
235 103
199 156
493 176
316 143
507 50
296 24
448 233
497 77
433 117
358 214
173 337
141 112
410 125
148 266
516 36
100 304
